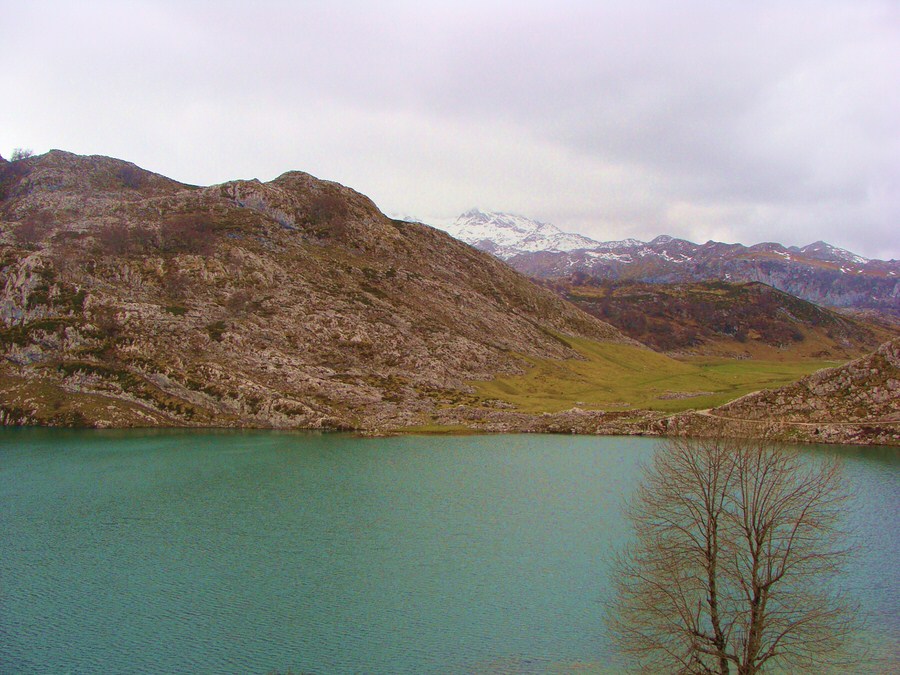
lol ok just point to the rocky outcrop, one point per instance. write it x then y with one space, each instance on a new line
858 402
129 299
573 421
866 389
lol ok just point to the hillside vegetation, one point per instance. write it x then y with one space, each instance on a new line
717 318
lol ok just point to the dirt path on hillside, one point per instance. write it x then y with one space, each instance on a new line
709 413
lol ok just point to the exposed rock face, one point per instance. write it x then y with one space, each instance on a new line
131 299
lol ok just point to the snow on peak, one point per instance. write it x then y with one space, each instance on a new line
507 234
620 243
824 251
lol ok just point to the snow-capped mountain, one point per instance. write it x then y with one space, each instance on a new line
818 272
821 250
506 235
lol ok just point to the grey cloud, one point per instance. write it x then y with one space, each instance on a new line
773 120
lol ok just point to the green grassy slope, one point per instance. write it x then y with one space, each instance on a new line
620 377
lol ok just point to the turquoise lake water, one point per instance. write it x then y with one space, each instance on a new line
257 552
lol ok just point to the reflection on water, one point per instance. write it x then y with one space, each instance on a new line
174 551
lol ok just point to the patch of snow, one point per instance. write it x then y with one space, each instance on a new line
825 251
618 257
668 258
623 243
506 235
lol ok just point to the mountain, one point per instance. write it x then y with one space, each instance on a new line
129 299
506 235
717 318
819 272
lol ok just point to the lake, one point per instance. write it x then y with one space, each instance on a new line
257 552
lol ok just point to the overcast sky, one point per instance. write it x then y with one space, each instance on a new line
739 121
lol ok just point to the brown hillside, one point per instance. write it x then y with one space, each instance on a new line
131 299
865 390
717 318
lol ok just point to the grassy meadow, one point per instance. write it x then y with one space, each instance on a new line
622 377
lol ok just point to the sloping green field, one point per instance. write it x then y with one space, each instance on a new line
621 377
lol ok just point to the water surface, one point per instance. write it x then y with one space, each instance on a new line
257 552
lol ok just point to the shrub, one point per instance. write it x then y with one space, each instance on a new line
174 282
21 153
216 330
190 234
32 229
131 176
240 301
327 215
115 239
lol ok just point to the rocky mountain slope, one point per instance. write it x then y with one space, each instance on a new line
131 299
717 318
819 272
858 402
865 389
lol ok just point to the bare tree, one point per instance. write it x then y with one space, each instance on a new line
737 545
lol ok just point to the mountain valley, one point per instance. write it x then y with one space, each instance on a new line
132 300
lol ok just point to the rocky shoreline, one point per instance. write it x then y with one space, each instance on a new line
469 419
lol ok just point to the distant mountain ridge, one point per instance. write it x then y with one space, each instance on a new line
818 272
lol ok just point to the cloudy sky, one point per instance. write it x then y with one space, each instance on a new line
735 121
